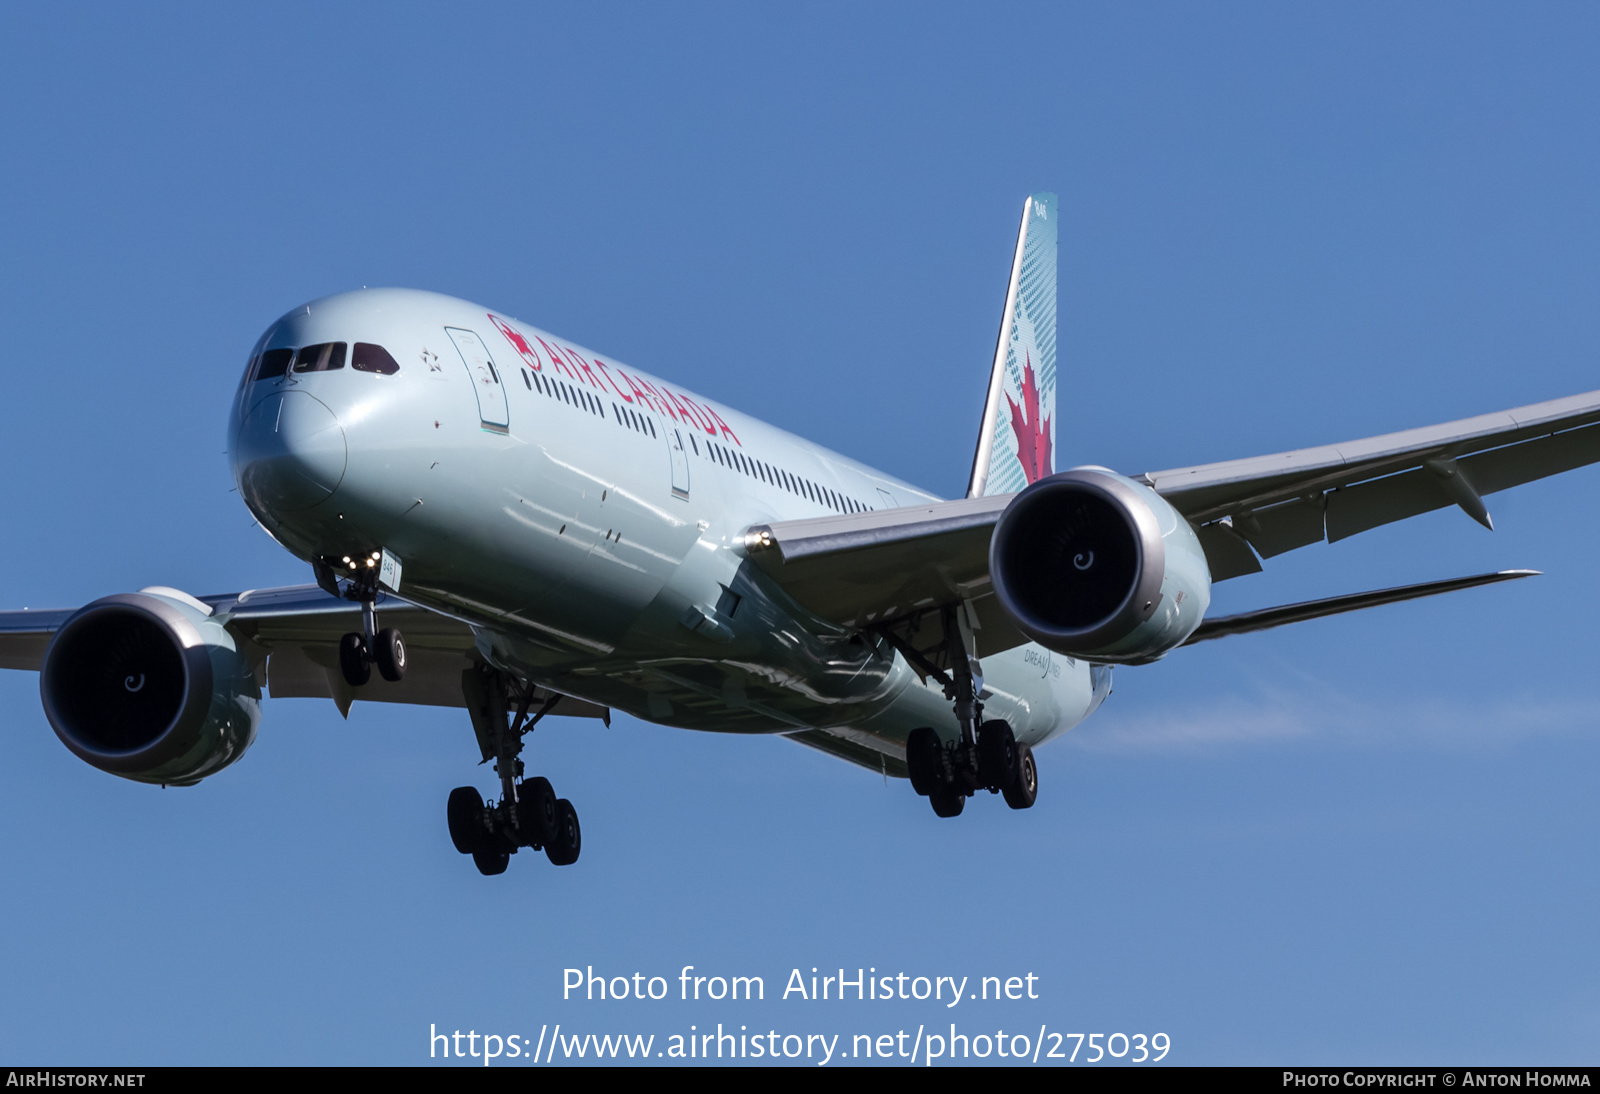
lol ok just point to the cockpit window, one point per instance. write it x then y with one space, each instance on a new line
322 357
371 358
274 362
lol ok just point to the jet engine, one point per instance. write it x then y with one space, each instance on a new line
1093 565
147 686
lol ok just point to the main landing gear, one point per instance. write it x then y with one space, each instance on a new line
986 755
528 813
948 774
360 650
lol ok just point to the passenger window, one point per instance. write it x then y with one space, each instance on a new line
323 357
274 362
370 358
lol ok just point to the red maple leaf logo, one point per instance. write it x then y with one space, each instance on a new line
1033 436
518 342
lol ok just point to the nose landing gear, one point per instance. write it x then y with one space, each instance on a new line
360 650
528 813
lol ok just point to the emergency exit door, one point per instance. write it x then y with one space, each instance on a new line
485 379
680 462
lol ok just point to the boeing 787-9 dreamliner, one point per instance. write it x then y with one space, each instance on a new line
500 520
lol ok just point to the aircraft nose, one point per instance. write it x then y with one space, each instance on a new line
290 453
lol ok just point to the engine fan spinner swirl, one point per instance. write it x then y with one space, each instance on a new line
145 688
1079 561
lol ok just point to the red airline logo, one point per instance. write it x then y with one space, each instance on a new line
518 343
1033 436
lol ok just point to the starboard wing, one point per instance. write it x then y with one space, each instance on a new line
1266 505
870 569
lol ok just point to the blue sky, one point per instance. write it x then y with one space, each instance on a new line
1363 839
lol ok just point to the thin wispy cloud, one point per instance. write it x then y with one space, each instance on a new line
1295 707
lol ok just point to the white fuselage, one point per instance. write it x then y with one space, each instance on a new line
588 520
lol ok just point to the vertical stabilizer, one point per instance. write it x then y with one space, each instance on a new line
1017 439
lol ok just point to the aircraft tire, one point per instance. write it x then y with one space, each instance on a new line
567 842
947 803
353 663
1024 788
390 655
923 760
997 755
537 811
491 862
464 811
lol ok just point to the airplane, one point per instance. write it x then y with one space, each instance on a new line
500 520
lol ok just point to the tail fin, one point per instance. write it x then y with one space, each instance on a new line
1017 439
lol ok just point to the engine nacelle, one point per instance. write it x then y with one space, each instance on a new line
1093 565
147 686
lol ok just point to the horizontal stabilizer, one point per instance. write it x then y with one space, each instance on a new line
1223 626
856 753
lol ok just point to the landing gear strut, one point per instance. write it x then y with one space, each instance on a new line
528 813
360 650
986 755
